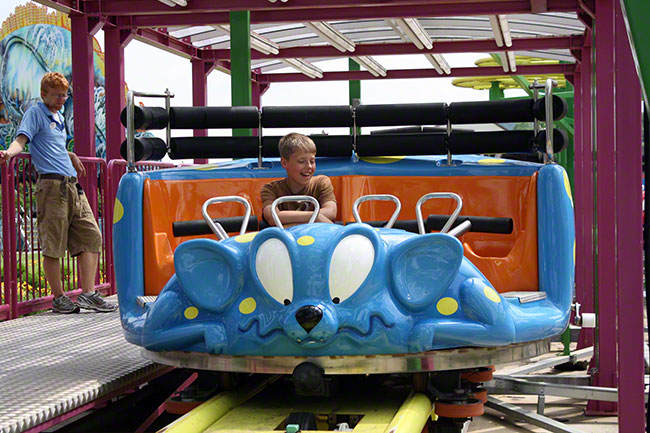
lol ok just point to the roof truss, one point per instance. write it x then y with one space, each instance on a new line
198 29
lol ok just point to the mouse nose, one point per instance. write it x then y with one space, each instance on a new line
309 316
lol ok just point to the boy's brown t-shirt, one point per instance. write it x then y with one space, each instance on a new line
320 187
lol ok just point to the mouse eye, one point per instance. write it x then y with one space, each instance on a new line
273 268
350 264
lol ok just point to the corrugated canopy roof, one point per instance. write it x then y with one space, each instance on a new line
282 35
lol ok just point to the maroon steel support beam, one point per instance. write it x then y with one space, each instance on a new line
83 92
200 71
185 16
439 47
421 73
606 205
165 42
154 7
172 45
66 6
538 6
114 42
629 235
584 205
83 86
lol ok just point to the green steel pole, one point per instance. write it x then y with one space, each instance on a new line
496 92
240 63
519 79
637 17
355 89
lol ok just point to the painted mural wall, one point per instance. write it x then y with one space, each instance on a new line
33 42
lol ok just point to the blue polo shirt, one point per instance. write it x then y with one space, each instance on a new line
45 132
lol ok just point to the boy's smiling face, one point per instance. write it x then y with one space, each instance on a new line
300 169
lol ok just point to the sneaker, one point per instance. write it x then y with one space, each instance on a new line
64 305
95 302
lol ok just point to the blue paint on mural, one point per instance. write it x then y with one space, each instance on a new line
26 54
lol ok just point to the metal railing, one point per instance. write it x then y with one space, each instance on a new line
24 289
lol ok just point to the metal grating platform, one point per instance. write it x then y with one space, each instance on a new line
53 363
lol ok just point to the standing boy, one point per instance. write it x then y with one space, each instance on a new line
64 217
298 157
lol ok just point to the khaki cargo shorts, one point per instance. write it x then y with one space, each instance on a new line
65 220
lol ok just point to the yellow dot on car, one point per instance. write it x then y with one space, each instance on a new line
247 237
567 187
191 313
247 306
447 306
118 211
381 159
490 161
305 240
574 253
491 294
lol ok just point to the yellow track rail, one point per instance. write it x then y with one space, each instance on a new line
263 409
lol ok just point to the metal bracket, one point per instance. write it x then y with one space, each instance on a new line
130 122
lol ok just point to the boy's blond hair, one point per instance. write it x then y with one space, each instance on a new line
53 80
293 142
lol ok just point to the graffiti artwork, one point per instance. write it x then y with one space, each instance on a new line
33 42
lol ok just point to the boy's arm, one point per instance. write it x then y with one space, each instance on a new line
328 210
77 164
290 216
14 149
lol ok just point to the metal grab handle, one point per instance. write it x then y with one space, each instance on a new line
452 218
286 198
461 229
379 197
548 94
216 228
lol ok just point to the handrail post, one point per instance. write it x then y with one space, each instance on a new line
6 238
11 210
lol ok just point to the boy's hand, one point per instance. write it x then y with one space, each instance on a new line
4 156
14 148
77 164
322 219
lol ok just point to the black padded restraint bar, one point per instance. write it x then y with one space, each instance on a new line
309 116
479 223
213 117
462 143
326 145
401 114
213 147
401 144
147 117
504 111
146 149
200 227
437 222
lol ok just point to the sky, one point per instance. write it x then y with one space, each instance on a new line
149 69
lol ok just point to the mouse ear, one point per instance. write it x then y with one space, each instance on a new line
210 274
422 267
